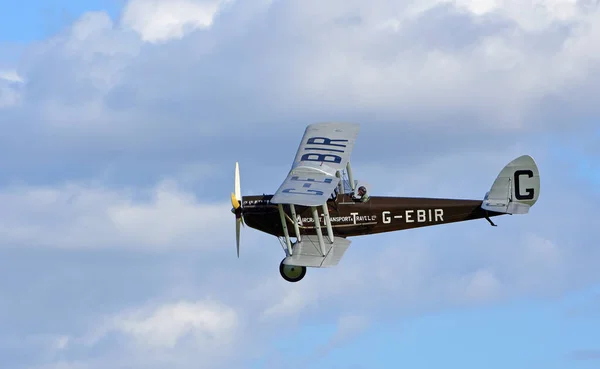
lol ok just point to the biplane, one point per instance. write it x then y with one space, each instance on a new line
320 205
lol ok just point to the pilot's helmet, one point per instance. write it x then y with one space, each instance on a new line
362 190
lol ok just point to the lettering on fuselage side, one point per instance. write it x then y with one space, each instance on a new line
412 216
439 213
409 214
362 218
353 218
252 203
385 217
327 147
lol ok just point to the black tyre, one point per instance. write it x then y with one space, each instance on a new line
292 273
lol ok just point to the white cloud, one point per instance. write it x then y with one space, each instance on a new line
9 97
154 92
90 24
431 270
348 327
210 324
535 15
289 302
10 87
10 75
183 333
163 20
481 286
532 16
318 61
89 216
63 365
416 271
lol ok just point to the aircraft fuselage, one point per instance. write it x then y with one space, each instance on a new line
351 218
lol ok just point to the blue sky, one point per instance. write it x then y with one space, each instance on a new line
122 121
34 20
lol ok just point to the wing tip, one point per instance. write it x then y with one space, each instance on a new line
350 126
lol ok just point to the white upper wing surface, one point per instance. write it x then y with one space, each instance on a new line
325 149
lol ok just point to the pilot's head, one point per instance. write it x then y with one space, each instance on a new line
362 191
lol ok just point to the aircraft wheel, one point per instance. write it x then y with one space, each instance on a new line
292 273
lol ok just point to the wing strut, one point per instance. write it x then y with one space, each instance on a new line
295 219
328 223
341 183
318 228
350 177
285 229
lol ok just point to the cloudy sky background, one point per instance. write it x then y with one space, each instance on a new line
121 123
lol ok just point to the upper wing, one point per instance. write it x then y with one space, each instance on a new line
325 149
309 189
326 146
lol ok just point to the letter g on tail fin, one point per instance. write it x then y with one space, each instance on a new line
516 188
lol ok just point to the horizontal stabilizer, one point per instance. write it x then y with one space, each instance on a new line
308 252
516 188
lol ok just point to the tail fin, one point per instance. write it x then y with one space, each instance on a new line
516 188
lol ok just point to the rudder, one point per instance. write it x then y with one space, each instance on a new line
516 188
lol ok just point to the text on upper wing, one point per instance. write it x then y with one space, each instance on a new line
325 145
306 186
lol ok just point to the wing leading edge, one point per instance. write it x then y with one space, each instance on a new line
308 189
324 150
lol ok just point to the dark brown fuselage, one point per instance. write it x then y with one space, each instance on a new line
350 218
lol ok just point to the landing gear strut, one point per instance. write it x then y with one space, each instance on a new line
292 273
